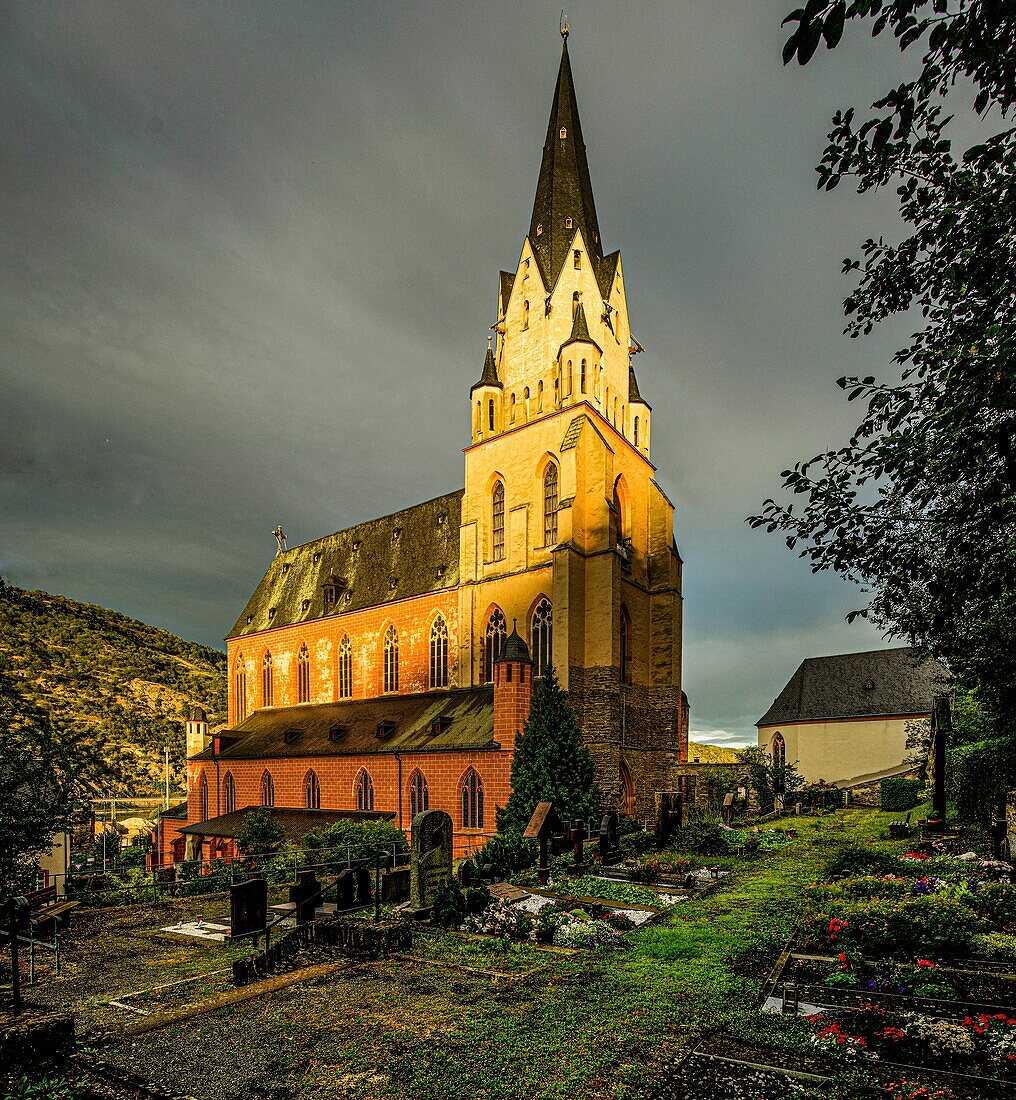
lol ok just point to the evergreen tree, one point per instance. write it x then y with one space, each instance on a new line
550 764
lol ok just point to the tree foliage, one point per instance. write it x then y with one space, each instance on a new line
260 834
918 505
38 789
550 763
769 779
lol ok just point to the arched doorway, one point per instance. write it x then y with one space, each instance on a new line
626 805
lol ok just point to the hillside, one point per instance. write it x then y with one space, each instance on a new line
124 685
711 754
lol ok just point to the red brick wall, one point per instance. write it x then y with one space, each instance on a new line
443 771
412 619
512 699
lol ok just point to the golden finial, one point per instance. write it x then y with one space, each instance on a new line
565 26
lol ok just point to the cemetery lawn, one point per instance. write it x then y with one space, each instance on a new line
467 1018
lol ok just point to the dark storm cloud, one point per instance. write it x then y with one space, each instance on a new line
250 257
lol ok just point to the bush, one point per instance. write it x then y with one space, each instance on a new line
637 842
995 946
859 888
363 837
863 861
922 926
705 837
449 908
899 794
477 899
995 902
507 853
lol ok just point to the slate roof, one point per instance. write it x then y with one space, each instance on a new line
507 282
296 822
306 730
564 190
633 387
514 649
176 812
488 376
580 331
373 563
877 683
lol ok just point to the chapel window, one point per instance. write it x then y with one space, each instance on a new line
497 522
303 675
490 415
312 791
636 431
419 796
240 689
391 669
345 668
525 405
472 801
539 397
582 377
550 505
204 797
364 791
439 653
779 751
568 223
228 794
569 378
543 637
267 680
267 790
493 639
577 259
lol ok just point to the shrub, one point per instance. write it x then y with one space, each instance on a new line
863 861
507 853
995 902
449 908
898 793
637 843
922 926
363 837
859 888
705 837
477 899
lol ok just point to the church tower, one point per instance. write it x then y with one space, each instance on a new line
564 526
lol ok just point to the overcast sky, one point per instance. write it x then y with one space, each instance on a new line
249 260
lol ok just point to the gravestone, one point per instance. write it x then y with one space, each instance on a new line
362 895
577 835
395 886
610 838
728 807
248 907
345 889
543 825
430 859
304 895
669 816
466 874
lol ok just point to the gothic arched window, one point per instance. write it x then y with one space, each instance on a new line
345 668
779 751
497 522
240 689
364 791
550 505
582 377
636 431
303 675
625 646
312 791
204 797
493 639
490 414
419 796
539 397
525 315
391 676
267 680
472 801
228 794
439 653
267 790
543 637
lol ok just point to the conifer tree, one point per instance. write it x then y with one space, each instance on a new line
550 764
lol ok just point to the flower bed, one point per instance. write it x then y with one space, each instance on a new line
561 923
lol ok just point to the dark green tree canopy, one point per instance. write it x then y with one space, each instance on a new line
550 764
918 506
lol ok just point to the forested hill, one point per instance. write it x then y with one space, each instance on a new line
122 685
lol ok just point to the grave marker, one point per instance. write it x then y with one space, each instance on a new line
248 907
610 838
542 826
430 859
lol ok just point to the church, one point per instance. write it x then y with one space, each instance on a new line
388 668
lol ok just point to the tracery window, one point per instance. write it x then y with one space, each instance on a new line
779 751
240 689
204 797
267 680
439 653
582 377
490 415
543 637
303 675
472 801
312 791
345 668
391 671
228 794
550 505
267 790
419 796
493 639
497 522
636 431
364 791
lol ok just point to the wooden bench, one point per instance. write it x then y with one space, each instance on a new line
900 829
46 908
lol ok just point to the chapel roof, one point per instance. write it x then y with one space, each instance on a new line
296 821
488 376
876 683
432 721
579 331
407 553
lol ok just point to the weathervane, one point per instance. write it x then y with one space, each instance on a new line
565 26
280 538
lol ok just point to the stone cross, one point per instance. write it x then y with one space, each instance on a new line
430 859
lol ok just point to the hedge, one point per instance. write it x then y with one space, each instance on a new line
899 794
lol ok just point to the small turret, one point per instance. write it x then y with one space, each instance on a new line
579 359
197 731
513 689
486 399
639 411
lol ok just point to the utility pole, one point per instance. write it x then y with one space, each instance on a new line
166 806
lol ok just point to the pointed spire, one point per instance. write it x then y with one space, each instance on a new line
564 190
633 386
488 376
580 332
514 648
